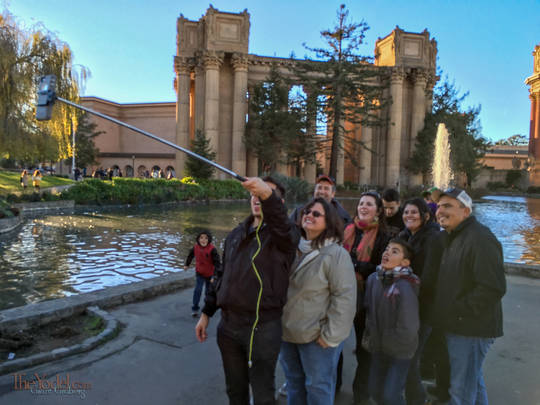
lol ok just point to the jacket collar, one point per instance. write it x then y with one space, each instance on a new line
309 257
464 224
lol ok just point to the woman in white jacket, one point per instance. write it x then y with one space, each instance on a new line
321 303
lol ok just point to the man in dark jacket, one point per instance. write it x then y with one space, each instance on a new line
392 212
467 305
251 292
325 187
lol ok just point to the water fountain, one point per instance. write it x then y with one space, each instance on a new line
441 168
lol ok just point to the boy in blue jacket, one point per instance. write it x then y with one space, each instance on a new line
392 323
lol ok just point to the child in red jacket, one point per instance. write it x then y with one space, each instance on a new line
206 262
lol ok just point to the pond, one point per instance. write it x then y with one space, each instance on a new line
59 255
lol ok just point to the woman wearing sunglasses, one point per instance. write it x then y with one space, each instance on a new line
320 307
365 240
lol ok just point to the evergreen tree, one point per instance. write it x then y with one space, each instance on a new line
86 152
276 131
344 85
466 142
201 146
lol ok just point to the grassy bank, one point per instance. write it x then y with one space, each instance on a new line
10 183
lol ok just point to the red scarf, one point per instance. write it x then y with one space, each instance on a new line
365 247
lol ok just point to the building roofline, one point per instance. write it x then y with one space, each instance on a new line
112 103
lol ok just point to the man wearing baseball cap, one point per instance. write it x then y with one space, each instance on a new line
469 288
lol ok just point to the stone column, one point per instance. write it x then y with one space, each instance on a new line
252 161
366 155
532 128
199 96
240 65
212 63
310 168
420 79
537 127
393 148
182 68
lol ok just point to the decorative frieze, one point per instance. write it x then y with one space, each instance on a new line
239 61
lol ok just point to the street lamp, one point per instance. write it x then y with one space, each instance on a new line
133 165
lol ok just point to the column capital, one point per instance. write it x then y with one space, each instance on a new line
397 75
183 65
420 77
212 60
239 62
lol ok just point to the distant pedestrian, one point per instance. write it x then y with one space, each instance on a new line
206 262
24 179
36 179
470 286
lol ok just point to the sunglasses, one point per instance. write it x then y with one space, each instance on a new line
316 214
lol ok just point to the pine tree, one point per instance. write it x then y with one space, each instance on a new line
201 146
344 86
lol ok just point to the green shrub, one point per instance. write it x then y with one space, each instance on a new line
296 189
148 191
533 190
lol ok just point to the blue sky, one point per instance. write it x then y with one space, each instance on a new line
128 45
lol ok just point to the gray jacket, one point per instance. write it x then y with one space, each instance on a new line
392 320
321 300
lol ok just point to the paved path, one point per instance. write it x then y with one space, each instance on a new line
156 359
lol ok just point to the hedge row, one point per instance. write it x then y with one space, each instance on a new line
147 191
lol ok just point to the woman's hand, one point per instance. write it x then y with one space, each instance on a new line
322 343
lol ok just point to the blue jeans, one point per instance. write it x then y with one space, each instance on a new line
466 355
199 281
387 377
310 371
414 390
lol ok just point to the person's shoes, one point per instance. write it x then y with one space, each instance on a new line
195 314
441 395
283 390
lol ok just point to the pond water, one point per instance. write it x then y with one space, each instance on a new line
59 255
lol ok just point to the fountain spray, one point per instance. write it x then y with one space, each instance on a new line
441 168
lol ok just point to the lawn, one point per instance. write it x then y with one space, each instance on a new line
9 182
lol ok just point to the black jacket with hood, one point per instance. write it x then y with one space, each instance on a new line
237 288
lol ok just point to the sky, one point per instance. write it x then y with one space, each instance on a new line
484 46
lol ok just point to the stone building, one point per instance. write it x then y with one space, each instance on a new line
534 132
214 72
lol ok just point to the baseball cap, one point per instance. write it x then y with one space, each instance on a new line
324 177
454 192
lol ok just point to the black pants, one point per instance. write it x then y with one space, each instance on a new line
233 341
363 358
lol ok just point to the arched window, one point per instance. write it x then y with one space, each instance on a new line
142 172
128 170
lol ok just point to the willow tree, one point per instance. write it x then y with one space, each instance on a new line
25 55
344 85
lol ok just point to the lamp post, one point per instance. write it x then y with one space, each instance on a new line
133 165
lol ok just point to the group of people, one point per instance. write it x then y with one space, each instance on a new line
36 179
293 287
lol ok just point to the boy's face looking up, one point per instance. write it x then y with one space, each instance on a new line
394 256
203 240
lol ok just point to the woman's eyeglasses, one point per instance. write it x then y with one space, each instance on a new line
316 214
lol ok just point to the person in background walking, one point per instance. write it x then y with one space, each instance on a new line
24 179
36 179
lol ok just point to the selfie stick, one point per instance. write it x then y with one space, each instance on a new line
47 97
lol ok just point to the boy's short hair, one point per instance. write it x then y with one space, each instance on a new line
204 232
279 186
390 195
408 251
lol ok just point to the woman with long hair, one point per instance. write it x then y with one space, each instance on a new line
320 307
423 234
365 240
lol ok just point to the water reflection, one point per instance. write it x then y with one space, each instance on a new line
56 255
59 255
